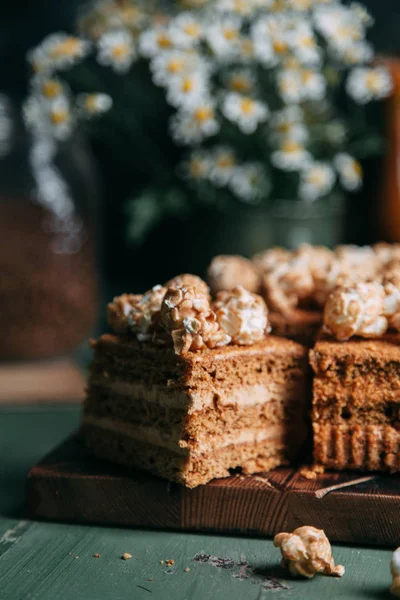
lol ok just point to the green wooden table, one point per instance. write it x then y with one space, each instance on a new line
50 561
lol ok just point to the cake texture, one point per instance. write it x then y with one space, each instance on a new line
356 403
189 388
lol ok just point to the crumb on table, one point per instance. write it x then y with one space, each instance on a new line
126 556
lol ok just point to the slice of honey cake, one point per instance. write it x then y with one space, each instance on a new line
189 388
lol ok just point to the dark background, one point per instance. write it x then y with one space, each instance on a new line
24 24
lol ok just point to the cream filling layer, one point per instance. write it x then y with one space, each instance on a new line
152 435
195 401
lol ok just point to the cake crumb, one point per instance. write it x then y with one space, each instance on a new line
96 555
161 562
187 569
170 562
126 556
76 556
150 579
311 472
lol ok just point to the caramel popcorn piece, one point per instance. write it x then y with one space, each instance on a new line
307 551
187 280
242 315
365 309
119 309
268 259
395 571
226 272
187 315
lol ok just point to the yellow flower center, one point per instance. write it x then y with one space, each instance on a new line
307 76
51 88
230 33
58 116
284 127
246 47
130 14
90 103
196 168
225 161
203 113
120 51
247 105
316 178
291 62
357 168
307 41
289 146
302 4
373 82
192 29
280 46
187 85
69 47
175 65
163 41
240 83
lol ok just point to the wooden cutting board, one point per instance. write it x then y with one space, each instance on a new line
69 485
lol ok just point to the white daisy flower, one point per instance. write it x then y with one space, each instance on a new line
290 83
116 49
304 45
288 124
48 87
270 37
355 54
350 171
188 90
366 84
192 126
362 14
197 167
223 36
291 156
313 85
317 180
300 5
185 30
249 182
154 40
242 7
242 81
176 63
60 118
222 165
245 50
58 51
94 104
244 111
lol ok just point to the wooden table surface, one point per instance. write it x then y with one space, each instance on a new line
50 561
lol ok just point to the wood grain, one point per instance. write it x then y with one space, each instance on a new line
69 485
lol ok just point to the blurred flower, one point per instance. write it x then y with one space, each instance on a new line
116 49
47 87
313 85
244 111
192 126
304 45
223 36
49 118
175 63
245 49
366 84
154 40
197 167
361 14
186 30
188 90
289 83
94 104
355 54
249 182
350 171
270 36
300 5
241 81
288 124
317 180
222 165
291 156
242 7
60 117
58 51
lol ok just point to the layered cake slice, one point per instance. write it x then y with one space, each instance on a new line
356 388
190 388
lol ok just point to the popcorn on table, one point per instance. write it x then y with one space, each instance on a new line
307 551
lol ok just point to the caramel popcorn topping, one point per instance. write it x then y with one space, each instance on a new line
189 281
119 310
365 309
226 272
187 315
242 315
307 551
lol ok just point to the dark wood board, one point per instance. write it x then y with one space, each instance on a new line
69 485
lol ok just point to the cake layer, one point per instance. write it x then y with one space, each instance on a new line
189 470
357 447
278 433
365 391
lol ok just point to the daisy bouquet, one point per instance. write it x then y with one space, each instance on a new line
257 100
